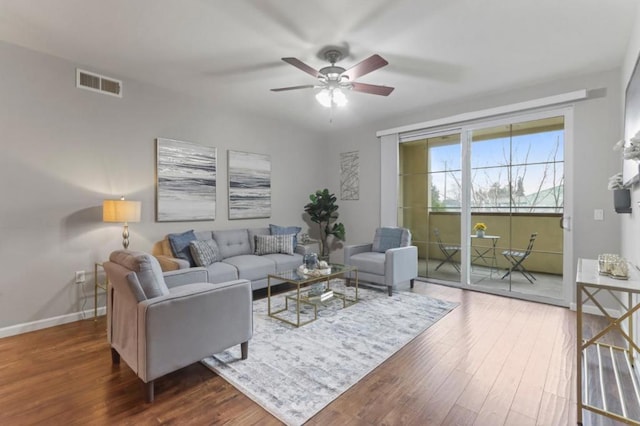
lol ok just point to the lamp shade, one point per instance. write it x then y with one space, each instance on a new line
120 211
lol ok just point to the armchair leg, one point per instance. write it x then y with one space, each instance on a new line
390 290
244 349
148 391
115 356
412 281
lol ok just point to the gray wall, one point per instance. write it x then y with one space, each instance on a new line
597 128
631 223
64 150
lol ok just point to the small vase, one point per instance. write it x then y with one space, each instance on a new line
480 233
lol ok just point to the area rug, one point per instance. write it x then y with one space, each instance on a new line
295 372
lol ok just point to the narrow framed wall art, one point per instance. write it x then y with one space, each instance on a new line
249 185
185 181
350 175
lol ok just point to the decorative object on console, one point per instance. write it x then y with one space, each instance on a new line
121 211
613 265
186 181
323 210
350 175
249 185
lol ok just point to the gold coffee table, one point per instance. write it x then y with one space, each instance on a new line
301 296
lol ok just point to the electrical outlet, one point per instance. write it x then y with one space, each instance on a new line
598 214
80 277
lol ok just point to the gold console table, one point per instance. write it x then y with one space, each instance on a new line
616 397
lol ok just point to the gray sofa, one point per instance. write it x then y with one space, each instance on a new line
236 256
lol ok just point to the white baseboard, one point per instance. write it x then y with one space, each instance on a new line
594 310
49 322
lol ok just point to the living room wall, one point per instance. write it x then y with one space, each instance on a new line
597 128
66 149
630 246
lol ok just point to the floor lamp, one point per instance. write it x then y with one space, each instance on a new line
121 211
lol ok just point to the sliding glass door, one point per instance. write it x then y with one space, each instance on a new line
485 204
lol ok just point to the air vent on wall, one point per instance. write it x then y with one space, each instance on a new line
98 83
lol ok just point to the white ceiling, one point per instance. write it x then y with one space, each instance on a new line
438 50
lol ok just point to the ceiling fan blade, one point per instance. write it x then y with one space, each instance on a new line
372 63
282 89
372 89
302 66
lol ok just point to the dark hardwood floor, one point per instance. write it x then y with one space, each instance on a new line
491 361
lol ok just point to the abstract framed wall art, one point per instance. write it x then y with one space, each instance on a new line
185 181
350 175
249 185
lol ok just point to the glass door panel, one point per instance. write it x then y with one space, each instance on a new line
430 194
516 194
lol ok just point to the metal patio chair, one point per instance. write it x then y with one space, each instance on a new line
517 257
448 250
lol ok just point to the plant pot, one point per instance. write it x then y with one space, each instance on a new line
622 200
480 233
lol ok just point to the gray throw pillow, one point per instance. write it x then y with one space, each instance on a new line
387 238
285 230
270 244
180 245
205 252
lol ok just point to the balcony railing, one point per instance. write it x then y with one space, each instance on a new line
514 230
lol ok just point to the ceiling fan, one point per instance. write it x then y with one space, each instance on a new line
333 79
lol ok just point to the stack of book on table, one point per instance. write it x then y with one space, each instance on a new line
321 297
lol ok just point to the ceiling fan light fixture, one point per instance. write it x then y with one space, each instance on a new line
324 98
329 97
339 98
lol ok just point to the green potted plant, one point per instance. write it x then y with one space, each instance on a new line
323 210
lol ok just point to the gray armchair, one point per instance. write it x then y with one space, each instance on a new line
388 261
160 323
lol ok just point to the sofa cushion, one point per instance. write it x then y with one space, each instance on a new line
204 252
251 267
372 262
284 230
388 238
203 235
268 244
180 245
252 236
147 269
234 242
285 262
220 272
